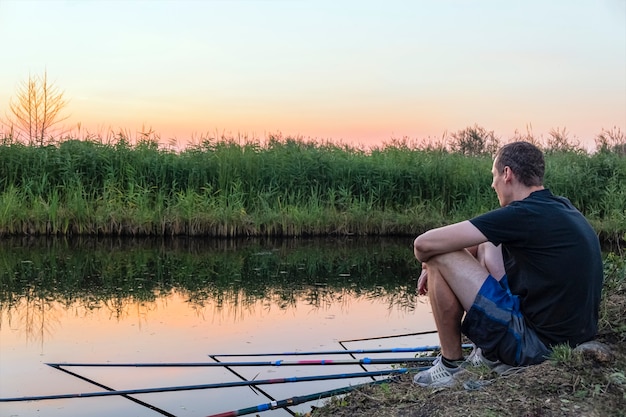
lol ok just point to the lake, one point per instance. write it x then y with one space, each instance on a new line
134 301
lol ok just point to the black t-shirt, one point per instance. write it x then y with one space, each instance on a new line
553 263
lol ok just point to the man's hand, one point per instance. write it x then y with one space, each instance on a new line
422 282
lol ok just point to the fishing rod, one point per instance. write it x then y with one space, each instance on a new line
135 400
301 399
257 390
343 346
215 385
364 339
344 352
364 361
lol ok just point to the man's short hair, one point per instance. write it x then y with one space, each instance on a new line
525 160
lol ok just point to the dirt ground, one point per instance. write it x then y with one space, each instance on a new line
590 384
583 386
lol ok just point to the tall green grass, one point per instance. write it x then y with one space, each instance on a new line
286 187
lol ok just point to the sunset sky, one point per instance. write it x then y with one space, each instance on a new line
356 71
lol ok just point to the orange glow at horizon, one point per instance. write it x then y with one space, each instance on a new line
359 73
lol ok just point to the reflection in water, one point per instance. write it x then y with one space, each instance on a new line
35 317
42 276
90 300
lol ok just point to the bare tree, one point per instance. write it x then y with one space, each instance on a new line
36 111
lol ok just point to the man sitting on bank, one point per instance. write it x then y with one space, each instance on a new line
531 280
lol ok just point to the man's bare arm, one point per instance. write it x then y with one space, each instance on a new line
447 239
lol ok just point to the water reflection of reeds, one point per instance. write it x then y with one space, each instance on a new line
234 276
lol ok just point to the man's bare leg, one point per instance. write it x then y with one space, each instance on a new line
447 312
454 280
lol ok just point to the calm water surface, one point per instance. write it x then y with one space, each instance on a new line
104 301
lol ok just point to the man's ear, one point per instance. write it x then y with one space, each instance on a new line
507 173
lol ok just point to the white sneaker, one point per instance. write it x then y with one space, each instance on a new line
476 359
437 375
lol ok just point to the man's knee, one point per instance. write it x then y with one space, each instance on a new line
450 261
462 272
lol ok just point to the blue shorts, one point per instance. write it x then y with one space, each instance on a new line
495 324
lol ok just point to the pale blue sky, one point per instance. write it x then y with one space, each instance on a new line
359 71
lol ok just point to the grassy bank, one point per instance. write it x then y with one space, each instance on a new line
285 187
